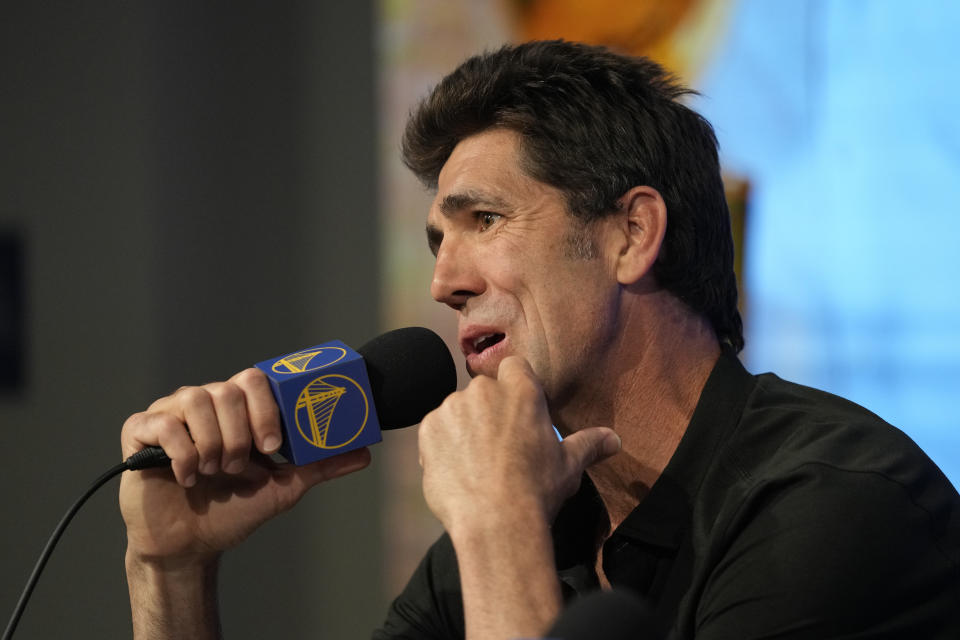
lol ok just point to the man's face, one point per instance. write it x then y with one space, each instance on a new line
524 277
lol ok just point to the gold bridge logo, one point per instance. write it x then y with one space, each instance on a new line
309 360
332 411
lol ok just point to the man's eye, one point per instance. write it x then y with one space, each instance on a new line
487 219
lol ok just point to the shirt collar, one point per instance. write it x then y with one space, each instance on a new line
658 517
662 519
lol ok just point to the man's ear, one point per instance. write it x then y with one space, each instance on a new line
643 222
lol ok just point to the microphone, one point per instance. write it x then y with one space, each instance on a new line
612 615
322 393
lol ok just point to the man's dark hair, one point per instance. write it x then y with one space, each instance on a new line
594 124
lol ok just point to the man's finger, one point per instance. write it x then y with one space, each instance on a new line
330 468
262 410
590 446
515 366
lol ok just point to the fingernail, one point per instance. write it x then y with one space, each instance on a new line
271 443
612 444
209 467
191 480
234 466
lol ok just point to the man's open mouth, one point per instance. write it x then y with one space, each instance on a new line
482 343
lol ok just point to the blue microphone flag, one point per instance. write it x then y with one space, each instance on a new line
326 405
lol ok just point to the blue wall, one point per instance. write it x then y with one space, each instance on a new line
845 118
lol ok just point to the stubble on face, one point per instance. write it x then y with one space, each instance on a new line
578 243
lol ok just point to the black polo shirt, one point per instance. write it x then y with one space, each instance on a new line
785 512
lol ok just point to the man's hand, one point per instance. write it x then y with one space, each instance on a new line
492 447
218 493
222 486
495 475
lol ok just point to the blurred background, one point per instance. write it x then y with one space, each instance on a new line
188 188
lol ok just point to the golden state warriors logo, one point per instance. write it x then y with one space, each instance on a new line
332 411
309 360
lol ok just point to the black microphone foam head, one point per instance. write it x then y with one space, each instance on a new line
411 371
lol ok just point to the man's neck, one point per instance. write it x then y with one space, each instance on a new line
649 401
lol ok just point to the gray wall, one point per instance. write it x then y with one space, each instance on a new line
195 183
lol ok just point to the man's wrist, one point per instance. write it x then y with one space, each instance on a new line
509 517
181 566
173 596
507 571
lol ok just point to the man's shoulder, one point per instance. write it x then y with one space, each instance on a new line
809 447
809 504
785 425
774 399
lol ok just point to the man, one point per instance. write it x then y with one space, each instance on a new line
582 239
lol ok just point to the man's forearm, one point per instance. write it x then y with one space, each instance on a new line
178 601
509 579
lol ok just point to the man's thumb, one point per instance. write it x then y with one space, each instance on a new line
328 469
591 446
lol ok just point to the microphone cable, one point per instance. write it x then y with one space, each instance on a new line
146 459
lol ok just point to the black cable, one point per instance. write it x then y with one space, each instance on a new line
149 457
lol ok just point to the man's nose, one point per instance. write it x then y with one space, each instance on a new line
456 276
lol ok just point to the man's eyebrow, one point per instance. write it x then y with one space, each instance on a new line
455 202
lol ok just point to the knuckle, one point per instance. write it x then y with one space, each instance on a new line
226 392
175 397
250 377
422 450
446 406
426 425
129 432
431 430
134 422
192 397
166 426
